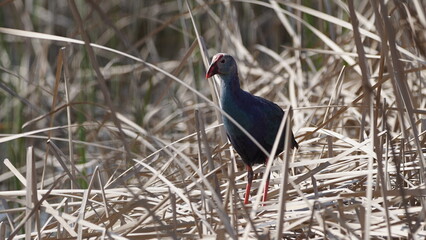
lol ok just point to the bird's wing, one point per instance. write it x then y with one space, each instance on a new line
268 117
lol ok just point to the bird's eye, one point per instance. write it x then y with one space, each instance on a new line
223 61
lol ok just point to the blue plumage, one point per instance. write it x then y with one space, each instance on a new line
260 117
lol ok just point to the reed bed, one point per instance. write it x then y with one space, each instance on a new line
109 129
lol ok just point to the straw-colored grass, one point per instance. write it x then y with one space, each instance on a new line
109 129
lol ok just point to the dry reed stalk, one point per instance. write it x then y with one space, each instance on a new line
358 174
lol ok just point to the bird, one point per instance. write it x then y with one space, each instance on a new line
258 116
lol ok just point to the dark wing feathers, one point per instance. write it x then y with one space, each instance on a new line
262 119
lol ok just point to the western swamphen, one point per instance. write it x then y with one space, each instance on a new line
258 116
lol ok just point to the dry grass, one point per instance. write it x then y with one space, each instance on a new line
109 130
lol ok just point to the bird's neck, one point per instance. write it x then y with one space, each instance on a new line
230 93
230 83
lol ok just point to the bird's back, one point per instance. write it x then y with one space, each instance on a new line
261 118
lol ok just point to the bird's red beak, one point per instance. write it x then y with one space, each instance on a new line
213 69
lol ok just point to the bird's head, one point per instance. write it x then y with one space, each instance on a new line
222 64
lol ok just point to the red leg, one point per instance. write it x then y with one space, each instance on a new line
248 186
265 190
